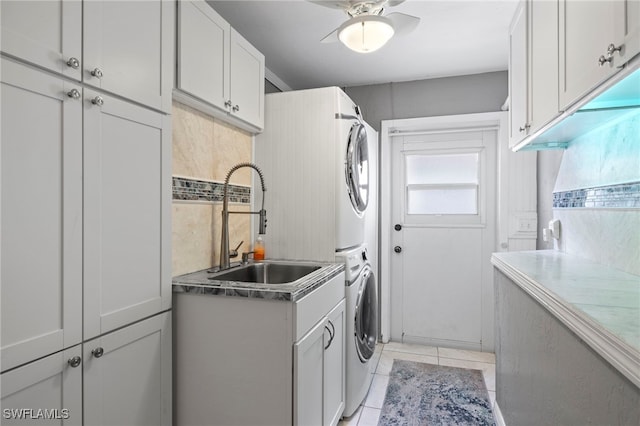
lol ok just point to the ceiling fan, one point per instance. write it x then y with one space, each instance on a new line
367 30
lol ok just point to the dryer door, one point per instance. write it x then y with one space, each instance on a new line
357 167
366 317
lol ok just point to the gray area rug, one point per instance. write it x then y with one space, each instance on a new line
425 394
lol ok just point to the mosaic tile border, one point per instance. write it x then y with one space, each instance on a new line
626 195
200 190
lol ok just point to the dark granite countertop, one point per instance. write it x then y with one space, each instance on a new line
200 282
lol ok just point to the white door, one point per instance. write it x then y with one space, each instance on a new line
41 226
443 219
127 190
308 373
127 375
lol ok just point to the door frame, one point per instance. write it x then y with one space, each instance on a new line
391 128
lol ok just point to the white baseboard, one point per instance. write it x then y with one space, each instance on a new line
498 415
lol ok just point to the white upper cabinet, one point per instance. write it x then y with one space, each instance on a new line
45 33
204 66
533 68
128 49
41 155
122 47
127 190
596 39
518 76
246 92
218 71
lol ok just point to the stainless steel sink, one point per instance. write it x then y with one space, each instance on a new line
266 273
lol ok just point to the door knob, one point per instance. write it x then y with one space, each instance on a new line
397 227
397 249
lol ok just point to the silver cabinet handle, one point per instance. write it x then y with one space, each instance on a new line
74 94
332 334
611 49
73 63
97 101
97 352
236 108
75 361
604 59
97 73
228 104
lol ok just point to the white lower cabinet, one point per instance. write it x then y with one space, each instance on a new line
319 372
47 391
254 361
127 375
121 378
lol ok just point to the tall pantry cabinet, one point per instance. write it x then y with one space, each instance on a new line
85 211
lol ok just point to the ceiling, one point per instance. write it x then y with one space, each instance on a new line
454 37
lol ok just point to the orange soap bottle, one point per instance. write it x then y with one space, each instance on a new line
258 249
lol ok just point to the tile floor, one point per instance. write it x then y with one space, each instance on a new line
369 412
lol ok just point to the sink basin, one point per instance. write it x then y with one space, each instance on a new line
266 273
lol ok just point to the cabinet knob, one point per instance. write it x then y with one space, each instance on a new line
97 352
228 104
98 100
604 59
611 49
75 361
524 128
97 73
73 63
236 108
74 94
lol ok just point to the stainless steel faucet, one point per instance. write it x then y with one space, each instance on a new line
224 243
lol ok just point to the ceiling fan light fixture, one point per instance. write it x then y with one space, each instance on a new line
365 34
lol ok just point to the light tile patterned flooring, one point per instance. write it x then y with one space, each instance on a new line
369 412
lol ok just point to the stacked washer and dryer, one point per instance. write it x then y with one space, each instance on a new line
316 154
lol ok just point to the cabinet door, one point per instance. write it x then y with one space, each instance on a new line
131 44
203 52
247 81
46 33
586 29
41 214
543 67
308 376
334 367
127 228
518 77
44 392
127 375
630 41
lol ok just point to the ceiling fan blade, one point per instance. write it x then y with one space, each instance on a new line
403 23
333 4
331 37
392 3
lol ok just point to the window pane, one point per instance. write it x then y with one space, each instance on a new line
436 169
442 200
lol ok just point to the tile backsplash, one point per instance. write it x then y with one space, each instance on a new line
204 149
597 195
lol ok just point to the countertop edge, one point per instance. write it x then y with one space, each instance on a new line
621 355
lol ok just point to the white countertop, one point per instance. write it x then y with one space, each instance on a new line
598 303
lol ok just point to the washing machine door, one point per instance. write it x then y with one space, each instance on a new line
357 167
366 316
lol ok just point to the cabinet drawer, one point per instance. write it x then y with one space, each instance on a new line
311 308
